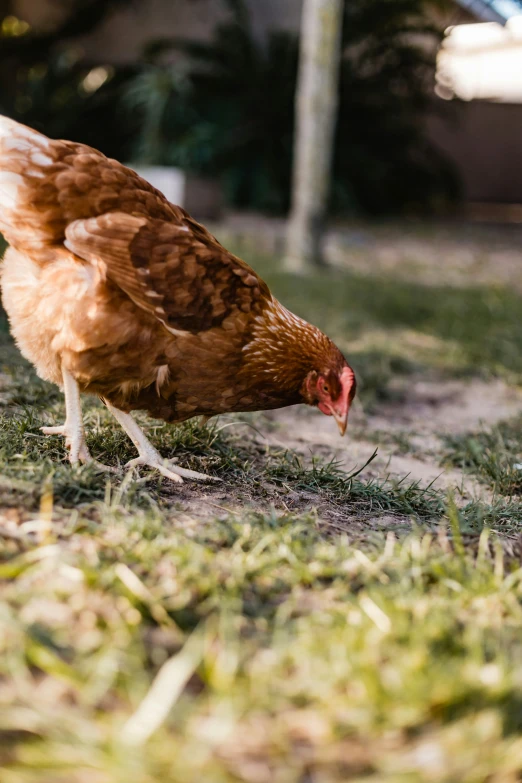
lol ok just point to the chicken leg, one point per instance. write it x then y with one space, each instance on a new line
148 455
72 430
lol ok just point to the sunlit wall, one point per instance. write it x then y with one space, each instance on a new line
482 61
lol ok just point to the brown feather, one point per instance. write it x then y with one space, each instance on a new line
157 264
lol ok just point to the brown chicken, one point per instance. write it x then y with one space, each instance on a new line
111 290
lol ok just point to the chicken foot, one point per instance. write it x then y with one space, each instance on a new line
148 455
73 429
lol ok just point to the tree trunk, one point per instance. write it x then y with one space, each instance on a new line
316 114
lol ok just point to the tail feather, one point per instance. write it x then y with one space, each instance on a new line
45 185
25 156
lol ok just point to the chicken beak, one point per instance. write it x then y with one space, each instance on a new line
341 407
342 420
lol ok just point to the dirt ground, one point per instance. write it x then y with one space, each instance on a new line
408 436
426 412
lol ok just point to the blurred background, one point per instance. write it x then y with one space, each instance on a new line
430 97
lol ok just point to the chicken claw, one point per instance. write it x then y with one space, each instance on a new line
74 441
149 456
170 471
78 451
61 430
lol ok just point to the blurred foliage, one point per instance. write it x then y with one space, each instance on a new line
227 112
226 108
46 82
383 159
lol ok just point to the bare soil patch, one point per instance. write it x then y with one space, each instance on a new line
407 433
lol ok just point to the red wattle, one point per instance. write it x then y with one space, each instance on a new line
324 408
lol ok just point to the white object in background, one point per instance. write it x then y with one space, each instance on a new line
517 466
482 62
202 198
170 181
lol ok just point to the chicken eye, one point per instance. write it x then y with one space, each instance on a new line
326 388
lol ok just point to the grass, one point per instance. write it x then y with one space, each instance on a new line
256 650
32 464
296 624
491 455
30 461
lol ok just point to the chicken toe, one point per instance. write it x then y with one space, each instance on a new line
169 470
74 441
149 456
